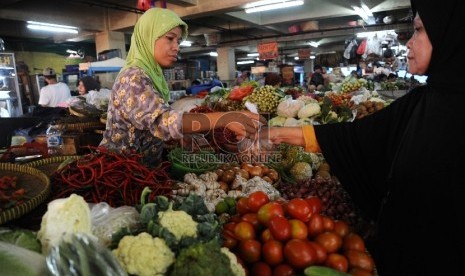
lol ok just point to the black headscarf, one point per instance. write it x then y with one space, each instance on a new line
445 26
90 83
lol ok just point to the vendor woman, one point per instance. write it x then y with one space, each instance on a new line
139 117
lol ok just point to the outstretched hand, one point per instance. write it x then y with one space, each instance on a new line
244 124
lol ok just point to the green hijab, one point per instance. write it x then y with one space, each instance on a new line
153 24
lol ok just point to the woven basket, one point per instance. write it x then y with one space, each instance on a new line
51 164
37 186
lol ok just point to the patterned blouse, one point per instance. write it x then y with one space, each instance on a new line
138 118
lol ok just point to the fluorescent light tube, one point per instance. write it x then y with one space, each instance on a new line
186 43
314 44
278 5
253 55
213 54
245 62
40 26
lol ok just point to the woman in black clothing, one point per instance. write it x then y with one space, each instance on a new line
403 165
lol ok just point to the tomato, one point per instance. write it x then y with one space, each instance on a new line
250 250
272 252
244 231
337 261
315 225
353 241
331 241
229 226
299 253
328 223
283 270
253 219
280 228
261 269
269 210
256 200
341 228
229 242
242 206
356 271
298 208
299 229
315 204
360 259
321 254
266 235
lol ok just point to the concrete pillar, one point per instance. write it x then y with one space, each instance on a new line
110 40
226 64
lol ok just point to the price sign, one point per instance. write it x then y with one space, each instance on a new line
268 50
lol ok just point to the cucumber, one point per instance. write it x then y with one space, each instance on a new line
316 270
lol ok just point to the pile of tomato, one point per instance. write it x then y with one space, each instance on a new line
285 237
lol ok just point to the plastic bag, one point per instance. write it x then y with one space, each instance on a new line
107 220
99 98
289 107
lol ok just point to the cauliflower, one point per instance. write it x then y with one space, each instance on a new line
290 122
289 107
179 223
144 255
237 268
64 216
277 121
307 99
309 110
301 171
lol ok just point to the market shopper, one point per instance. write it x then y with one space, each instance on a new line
316 81
139 116
403 165
87 84
55 93
273 79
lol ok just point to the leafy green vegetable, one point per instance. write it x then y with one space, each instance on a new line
15 260
202 259
21 237
208 226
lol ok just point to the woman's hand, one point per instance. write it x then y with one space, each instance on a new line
244 124
278 135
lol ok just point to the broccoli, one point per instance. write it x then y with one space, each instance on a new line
202 259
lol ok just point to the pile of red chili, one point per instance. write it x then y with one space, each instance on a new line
10 194
117 179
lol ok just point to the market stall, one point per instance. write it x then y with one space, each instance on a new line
255 209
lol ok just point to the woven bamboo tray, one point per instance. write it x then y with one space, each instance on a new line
37 186
51 164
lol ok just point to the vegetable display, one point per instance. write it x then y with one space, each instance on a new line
117 179
293 234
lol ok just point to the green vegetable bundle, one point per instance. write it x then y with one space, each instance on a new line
183 162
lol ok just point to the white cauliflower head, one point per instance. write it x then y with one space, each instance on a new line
236 267
309 110
291 122
277 121
64 217
144 255
179 223
288 108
